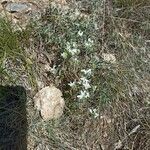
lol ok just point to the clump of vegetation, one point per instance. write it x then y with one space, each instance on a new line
97 54
9 46
14 60
100 64
79 63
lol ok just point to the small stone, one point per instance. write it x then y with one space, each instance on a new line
16 7
20 12
49 102
109 57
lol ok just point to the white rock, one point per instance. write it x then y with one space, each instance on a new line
109 57
49 102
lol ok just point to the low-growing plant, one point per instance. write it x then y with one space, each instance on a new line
85 77
100 64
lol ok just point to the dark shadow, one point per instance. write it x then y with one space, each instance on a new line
13 119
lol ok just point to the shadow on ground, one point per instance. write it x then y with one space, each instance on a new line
13 120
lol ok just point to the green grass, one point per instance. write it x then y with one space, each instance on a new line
9 46
14 60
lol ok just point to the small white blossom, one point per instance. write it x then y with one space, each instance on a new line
74 51
83 94
94 112
85 83
89 43
74 44
72 48
72 84
87 72
53 70
90 110
80 33
83 79
64 55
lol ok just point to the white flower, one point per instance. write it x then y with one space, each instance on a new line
75 60
74 44
89 43
80 33
87 72
83 79
85 83
83 94
74 51
64 55
72 48
53 70
72 84
90 110
94 112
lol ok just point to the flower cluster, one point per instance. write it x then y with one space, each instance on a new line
83 94
89 43
71 48
84 83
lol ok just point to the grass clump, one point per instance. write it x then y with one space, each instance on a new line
14 60
9 46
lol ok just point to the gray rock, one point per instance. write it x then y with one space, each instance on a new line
17 7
